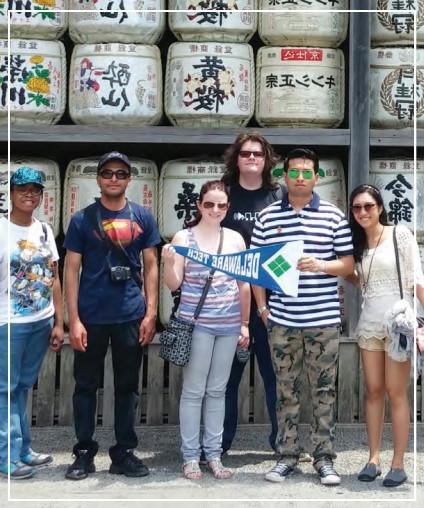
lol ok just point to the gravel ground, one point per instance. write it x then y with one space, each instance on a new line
250 459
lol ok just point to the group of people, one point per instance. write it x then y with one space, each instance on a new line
111 285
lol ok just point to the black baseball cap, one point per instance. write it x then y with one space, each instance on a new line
113 156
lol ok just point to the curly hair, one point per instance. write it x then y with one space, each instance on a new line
359 237
232 172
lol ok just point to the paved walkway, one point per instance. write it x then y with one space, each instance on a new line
250 458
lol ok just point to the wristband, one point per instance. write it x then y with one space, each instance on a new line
262 309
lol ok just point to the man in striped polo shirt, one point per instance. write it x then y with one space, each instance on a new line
305 329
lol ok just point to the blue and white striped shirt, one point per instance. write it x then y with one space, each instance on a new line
326 235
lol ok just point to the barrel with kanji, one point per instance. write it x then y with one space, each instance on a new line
81 187
209 84
119 84
212 20
34 19
35 81
114 21
49 209
295 26
392 88
179 186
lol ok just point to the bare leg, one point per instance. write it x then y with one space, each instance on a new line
374 366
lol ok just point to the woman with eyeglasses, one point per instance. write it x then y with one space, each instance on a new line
36 317
376 274
221 326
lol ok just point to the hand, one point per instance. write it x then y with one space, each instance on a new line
244 340
56 338
147 329
310 264
420 339
168 254
78 336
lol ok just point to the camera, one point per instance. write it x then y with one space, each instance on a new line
120 273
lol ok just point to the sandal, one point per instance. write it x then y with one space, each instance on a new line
218 470
191 470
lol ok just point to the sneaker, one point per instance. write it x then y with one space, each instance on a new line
327 473
18 471
279 472
130 466
34 459
82 466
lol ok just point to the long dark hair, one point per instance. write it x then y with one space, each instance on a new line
359 236
206 187
232 172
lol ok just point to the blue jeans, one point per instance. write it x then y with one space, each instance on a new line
260 347
28 346
204 380
88 371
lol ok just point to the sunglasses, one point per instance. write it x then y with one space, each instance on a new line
367 207
28 189
245 154
210 205
307 174
108 174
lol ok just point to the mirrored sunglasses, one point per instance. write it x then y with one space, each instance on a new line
294 173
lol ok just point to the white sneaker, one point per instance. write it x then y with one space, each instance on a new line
279 472
328 475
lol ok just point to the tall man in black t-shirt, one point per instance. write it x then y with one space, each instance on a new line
249 162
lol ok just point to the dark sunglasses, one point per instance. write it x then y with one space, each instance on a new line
245 154
294 173
367 207
121 174
210 205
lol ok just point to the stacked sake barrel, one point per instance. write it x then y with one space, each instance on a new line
392 64
49 209
179 185
116 71
210 74
37 77
300 75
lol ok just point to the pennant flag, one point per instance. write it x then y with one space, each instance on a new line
272 267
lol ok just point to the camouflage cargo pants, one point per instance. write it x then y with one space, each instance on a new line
316 349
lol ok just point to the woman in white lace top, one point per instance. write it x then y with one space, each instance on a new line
376 274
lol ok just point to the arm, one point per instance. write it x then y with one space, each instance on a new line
244 292
260 296
341 267
354 279
151 284
56 335
419 292
77 331
173 263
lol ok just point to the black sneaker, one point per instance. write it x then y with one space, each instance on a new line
279 472
82 466
130 466
328 475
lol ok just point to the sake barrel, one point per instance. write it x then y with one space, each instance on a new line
37 19
299 87
297 27
49 209
179 185
392 88
36 81
209 84
212 20
95 24
120 84
331 184
81 187
167 300
395 179
393 24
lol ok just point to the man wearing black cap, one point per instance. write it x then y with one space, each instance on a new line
106 304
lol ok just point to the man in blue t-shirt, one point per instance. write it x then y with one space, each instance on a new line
104 241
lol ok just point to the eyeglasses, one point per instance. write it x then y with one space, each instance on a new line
294 173
210 205
28 189
108 174
367 207
245 154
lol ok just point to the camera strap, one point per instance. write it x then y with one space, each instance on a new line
118 250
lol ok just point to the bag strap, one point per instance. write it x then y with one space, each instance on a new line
209 280
397 262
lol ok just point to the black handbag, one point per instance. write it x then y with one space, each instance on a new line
176 339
